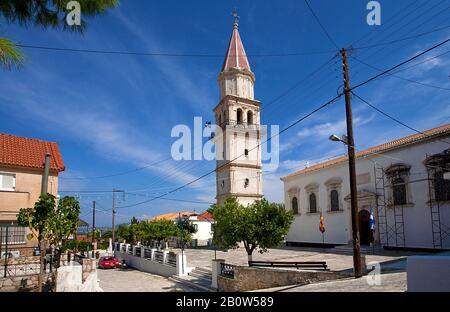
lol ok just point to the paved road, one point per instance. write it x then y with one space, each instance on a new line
335 259
118 280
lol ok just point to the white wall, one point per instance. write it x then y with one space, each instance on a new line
203 230
417 217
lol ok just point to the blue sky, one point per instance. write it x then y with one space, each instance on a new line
114 113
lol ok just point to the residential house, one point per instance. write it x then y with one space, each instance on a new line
203 224
21 170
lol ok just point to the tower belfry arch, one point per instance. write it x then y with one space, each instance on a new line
238 151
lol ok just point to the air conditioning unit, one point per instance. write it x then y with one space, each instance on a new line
11 254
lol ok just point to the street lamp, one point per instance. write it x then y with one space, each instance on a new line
335 138
354 204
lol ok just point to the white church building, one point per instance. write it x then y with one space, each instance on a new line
405 182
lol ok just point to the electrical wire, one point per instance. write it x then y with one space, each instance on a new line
321 25
391 117
297 121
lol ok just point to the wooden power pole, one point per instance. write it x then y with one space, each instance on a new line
352 169
114 213
93 222
113 216
42 242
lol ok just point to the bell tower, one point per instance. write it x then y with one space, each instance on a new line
238 150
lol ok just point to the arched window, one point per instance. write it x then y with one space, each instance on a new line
295 205
334 198
399 191
312 203
250 117
441 186
438 165
239 116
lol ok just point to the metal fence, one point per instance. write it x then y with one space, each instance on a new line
147 253
138 251
159 256
172 259
20 269
227 270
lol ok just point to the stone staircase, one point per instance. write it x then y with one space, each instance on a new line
198 279
366 250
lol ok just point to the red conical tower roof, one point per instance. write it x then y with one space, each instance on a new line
236 56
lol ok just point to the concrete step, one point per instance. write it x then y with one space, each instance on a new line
194 283
203 270
200 274
346 249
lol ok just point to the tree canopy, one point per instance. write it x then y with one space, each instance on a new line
45 14
260 226
51 13
51 222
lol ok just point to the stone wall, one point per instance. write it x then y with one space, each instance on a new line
247 278
24 283
88 266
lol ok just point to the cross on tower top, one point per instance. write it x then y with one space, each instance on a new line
236 19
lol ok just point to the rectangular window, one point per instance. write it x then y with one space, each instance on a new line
15 234
7 182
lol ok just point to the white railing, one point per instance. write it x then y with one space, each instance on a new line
152 260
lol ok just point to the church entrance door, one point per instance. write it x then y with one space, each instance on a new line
364 227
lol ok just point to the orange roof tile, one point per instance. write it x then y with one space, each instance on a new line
205 216
379 148
30 153
172 215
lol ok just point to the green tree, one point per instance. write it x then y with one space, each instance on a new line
161 230
45 14
50 222
185 230
260 226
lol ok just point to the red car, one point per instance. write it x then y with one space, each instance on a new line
108 262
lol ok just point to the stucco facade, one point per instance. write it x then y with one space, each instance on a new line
26 193
238 137
411 226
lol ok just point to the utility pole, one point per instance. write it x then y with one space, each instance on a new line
42 242
113 216
352 169
93 223
114 191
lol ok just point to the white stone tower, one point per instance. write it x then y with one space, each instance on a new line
238 150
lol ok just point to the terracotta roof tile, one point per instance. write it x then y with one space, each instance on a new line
379 148
205 216
172 215
29 153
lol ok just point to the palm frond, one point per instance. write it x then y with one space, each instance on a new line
10 55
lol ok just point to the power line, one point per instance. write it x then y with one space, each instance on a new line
293 124
396 31
227 163
399 77
391 117
39 47
401 39
321 25
116 174
276 99
398 65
